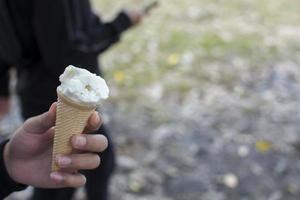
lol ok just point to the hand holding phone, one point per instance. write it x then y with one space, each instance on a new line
136 16
150 7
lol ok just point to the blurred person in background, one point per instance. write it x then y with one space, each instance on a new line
53 34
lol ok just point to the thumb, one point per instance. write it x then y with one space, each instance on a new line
41 123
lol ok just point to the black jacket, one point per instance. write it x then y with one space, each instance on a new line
54 34
7 185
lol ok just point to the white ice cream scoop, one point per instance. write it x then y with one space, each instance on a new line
82 86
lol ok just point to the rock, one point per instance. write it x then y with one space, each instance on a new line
126 163
230 180
243 151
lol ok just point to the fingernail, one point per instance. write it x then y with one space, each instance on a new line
64 161
52 106
80 141
56 177
96 120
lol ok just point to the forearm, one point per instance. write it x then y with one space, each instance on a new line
7 185
86 32
103 35
121 23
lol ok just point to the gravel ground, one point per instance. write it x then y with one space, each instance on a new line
205 102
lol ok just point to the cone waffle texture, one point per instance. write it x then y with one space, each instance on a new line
71 118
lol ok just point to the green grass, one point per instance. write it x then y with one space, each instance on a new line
210 32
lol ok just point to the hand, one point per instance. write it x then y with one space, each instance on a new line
135 16
28 154
4 106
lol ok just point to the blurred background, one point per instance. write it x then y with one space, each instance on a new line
205 101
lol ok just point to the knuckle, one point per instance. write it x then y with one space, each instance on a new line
28 122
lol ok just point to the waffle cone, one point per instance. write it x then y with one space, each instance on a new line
71 118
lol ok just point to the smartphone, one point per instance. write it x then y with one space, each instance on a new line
150 6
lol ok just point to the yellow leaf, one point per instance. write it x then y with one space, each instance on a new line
135 186
173 59
263 146
119 76
292 188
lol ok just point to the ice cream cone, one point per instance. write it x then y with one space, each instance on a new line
71 118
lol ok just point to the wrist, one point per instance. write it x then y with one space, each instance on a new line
122 22
8 164
8 183
134 16
6 160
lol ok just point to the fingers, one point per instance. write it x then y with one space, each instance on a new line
135 16
90 143
86 143
93 123
41 123
78 161
63 179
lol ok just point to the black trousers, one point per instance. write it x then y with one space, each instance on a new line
97 179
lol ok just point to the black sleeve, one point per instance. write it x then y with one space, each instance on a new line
7 185
65 29
85 30
4 80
